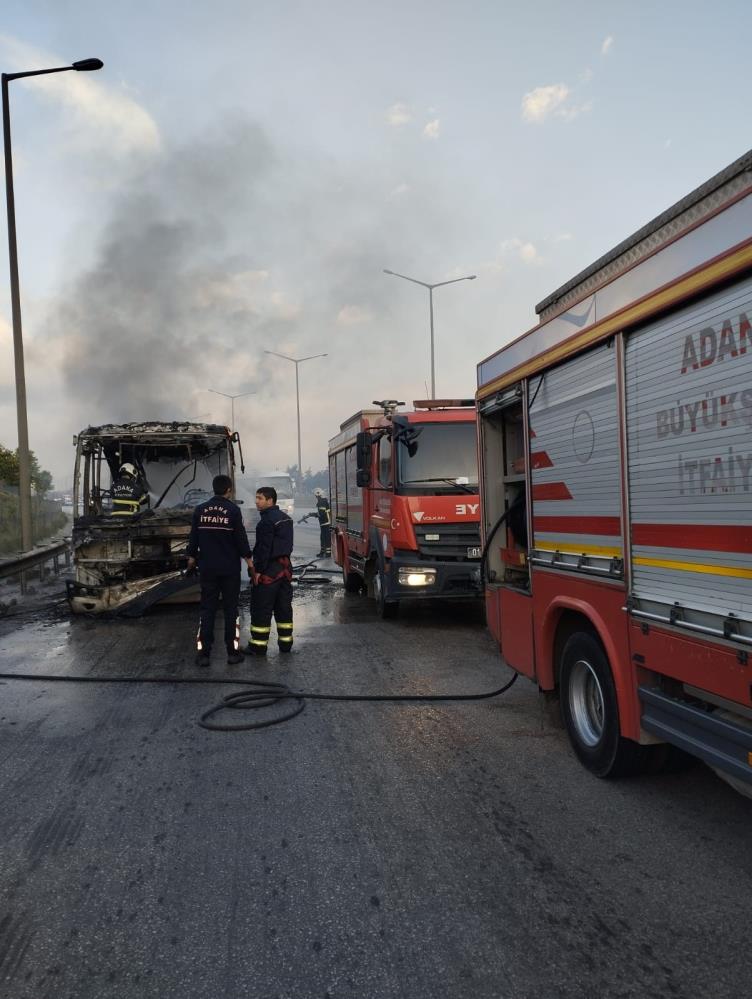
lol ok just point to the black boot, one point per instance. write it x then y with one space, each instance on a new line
255 650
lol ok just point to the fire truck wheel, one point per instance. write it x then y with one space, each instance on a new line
386 608
590 710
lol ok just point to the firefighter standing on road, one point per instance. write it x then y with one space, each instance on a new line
219 541
272 575
324 514
129 494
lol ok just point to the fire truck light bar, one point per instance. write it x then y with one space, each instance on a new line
442 403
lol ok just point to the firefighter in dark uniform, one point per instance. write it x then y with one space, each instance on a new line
272 575
129 494
324 514
218 541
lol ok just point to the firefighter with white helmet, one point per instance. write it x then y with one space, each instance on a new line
129 494
324 514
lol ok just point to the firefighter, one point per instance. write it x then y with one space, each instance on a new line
129 495
272 576
324 514
218 541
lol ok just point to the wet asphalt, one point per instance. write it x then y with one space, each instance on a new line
361 850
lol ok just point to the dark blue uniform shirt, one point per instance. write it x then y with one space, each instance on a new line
323 511
273 538
218 539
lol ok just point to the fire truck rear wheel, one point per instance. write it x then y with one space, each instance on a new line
590 710
386 608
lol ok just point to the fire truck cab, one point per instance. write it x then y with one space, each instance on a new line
405 506
616 486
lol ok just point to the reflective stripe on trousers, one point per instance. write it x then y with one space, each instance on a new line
272 600
284 633
260 636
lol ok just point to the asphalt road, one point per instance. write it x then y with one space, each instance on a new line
361 850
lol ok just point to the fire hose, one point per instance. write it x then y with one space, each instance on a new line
256 694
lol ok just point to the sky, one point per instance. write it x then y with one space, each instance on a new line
239 174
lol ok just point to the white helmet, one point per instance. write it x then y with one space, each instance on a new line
318 492
128 469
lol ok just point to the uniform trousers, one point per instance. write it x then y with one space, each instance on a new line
326 537
214 584
267 599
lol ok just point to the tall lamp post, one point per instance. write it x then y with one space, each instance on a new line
296 361
24 459
437 284
232 398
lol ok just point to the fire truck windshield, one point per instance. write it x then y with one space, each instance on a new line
445 459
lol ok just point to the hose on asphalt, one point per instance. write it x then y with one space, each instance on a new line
260 694
256 694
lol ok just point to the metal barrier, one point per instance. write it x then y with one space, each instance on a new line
21 565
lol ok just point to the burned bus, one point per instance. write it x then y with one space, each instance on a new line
126 564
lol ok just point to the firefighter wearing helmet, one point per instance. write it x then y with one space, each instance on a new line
129 495
324 513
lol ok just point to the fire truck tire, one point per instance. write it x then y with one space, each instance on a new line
590 710
386 609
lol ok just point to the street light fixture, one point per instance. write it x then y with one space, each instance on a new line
240 395
438 284
296 361
24 458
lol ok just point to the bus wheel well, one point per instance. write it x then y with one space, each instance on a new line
569 622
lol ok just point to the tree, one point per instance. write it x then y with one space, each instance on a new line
8 467
41 479
309 481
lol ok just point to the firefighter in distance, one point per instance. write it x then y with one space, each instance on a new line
129 495
324 514
271 573
217 543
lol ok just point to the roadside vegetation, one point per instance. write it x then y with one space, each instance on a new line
47 515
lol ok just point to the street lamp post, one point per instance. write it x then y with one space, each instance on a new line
24 458
438 284
232 399
296 361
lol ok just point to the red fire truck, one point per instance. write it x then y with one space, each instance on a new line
404 495
616 487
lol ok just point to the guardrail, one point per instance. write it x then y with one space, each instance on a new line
21 565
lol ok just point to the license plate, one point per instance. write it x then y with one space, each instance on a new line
473 553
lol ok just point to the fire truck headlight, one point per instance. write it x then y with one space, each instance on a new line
416 577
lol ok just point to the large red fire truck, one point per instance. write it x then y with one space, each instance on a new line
616 486
404 494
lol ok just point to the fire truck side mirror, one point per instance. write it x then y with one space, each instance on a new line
363 450
362 477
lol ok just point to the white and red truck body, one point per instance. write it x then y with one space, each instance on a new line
624 422
405 505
